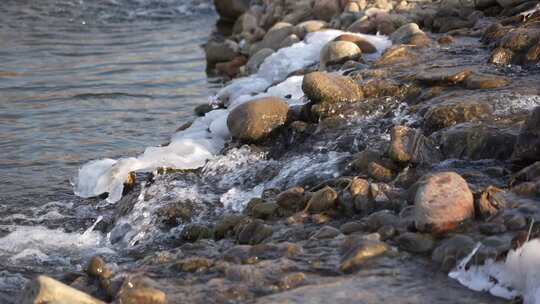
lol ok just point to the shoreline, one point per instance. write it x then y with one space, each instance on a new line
357 160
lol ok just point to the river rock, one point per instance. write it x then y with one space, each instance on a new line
227 224
254 120
264 210
476 141
257 59
450 113
254 233
220 51
527 148
380 172
310 26
275 36
322 200
336 52
415 242
231 68
443 76
44 289
358 250
482 81
403 34
193 264
489 202
452 250
402 54
139 289
365 46
195 232
442 201
381 218
501 56
363 26
288 41
326 9
322 87
326 232
231 9
410 145
492 228
202 109
293 199
533 55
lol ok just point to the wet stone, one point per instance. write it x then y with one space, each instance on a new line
362 43
352 227
442 201
443 76
359 251
415 242
379 172
292 199
447 114
237 254
202 109
193 264
227 223
264 210
254 233
515 222
489 202
328 88
326 232
492 228
322 200
481 81
140 290
195 232
452 250
44 289
292 280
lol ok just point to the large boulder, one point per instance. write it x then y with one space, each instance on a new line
336 52
322 87
443 200
231 9
256 119
44 289
527 148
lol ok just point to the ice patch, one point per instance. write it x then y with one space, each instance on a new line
204 139
518 275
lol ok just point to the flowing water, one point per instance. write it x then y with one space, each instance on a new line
81 80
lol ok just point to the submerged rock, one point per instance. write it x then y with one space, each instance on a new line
358 251
322 200
44 289
231 9
254 120
139 289
443 200
415 242
527 148
410 145
452 250
450 113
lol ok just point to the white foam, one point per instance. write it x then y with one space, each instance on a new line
518 275
204 139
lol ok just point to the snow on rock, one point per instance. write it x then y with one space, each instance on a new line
518 275
191 148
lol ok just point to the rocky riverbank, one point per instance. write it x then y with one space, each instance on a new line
366 175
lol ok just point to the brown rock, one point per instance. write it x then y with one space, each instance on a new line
501 56
447 114
527 148
362 43
231 68
363 26
379 172
254 120
328 88
140 290
292 199
445 40
415 242
326 9
442 201
481 81
443 76
322 200
44 289
360 251
336 52
397 54
231 9
489 202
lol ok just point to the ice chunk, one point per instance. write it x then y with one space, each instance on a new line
518 275
191 148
